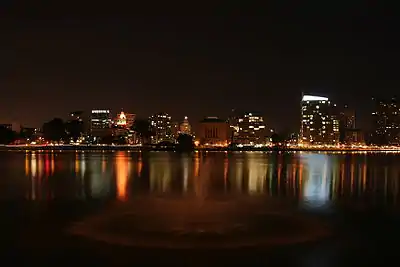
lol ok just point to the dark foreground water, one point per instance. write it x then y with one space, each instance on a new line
200 209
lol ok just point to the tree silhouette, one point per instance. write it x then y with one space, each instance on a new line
185 142
142 128
108 139
74 129
54 130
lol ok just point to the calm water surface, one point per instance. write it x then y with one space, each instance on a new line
200 200
315 180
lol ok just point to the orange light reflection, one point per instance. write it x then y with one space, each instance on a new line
122 174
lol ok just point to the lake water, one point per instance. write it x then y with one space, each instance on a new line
246 202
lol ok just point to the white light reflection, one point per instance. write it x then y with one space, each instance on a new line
100 182
317 180
257 169
239 175
122 165
160 173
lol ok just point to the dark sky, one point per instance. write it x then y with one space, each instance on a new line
195 61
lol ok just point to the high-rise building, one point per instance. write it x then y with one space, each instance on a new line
161 128
251 129
319 122
100 122
386 122
214 132
184 126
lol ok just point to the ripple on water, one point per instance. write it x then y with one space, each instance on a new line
191 224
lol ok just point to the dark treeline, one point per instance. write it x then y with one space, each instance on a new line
7 136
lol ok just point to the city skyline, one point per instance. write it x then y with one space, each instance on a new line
59 60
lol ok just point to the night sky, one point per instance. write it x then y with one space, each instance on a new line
195 61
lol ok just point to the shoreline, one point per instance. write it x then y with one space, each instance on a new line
224 149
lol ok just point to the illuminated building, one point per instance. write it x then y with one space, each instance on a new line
121 119
100 122
385 122
251 129
123 124
185 127
319 123
161 128
213 132
125 120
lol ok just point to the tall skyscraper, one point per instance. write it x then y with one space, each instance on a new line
161 128
386 122
319 122
100 122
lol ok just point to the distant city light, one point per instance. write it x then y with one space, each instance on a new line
100 111
314 98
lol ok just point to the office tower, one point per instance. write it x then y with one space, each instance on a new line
100 122
251 129
385 122
161 127
319 122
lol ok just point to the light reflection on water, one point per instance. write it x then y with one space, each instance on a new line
315 180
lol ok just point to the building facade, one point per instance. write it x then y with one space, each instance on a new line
251 129
161 128
100 122
385 122
125 120
319 121
213 132
185 127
